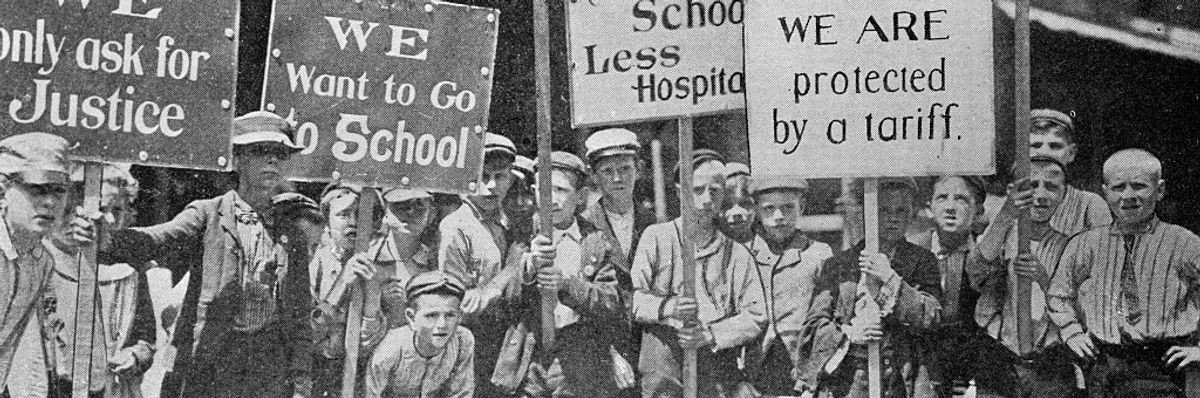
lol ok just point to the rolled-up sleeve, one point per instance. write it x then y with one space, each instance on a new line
645 265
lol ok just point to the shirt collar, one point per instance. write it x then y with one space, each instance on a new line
503 221
571 232
935 245
1149 228
6 244
791 255
708 250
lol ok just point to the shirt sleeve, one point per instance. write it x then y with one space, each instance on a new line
1098 213
822 336
596 297
462 381
141 245
453 249
751 312
917 298
1072 270
383 361
646 303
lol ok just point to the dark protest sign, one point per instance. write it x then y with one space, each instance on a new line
635 60
125 80
870 89
392 95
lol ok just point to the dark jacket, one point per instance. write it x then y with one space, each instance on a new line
213 296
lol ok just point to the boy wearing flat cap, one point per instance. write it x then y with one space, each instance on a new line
787 262
1052 134
248 306
890 297
431 355
728 302
473 247
34 176
590 316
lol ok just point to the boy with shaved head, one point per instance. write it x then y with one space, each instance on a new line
1125 295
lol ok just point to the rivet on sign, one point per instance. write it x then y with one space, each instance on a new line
229 33
221 161
472 186
271 107
404 180
484 71
478 128
428 7
491 17
357 1
143 156
275 53
225 104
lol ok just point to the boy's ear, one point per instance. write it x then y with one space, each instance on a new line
1069 154
410 314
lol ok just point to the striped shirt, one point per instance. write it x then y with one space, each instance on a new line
1080 211
996 310
1164 257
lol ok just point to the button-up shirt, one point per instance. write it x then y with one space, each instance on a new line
957 305
1166 260
23 276
263 263
622 226
729 296
567 261
996 310
398 371
1080 211
789 279
472 248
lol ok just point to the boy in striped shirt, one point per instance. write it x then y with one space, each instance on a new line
1136 283
1044 369
1052 134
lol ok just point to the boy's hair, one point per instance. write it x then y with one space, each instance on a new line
974 183
1133 157
1049 121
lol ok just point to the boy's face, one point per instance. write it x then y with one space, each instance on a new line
1049 185
953 206
778 211
408 217
708 190
1052 145
563 195
434 318
343 220
740 215
35 209
1132 194
895 213
494 183
616 175
262 165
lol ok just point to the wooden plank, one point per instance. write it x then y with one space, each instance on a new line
358 292
86 293
541 51
660 183
1025 338
689 254
871 231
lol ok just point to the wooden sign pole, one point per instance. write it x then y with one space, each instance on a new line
871 234
660 183
541 55
1024 286
86 293
358 292
689 255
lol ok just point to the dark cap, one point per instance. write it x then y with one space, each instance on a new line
611 142
566 161
734 169
497 144
37 158
1054 116
762 184
699 157
523 166
434 282
293 204
263 126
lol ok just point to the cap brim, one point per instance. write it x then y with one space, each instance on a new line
499 151
608 152
43 176
401 195
266 136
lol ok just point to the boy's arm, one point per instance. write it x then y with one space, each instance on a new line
647 305
751 312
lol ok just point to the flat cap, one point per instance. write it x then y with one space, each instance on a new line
434 282
497 144
263 126
394 195
1053 115
763 184
907 182
36 158
611 142
734 169
523 166
566 161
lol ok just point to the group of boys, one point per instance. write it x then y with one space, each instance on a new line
1114 303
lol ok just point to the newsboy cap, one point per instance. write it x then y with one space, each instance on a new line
763 184
565 161
611 142
35 158
434 282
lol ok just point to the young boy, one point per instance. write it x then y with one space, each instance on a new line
902 281
1124 295
1052 134
1046 369
787 263
431 355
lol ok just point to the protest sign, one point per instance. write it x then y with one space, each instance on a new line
890 88
123 80
635 60
392 95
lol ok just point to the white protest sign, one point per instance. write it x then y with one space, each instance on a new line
885 88
635 60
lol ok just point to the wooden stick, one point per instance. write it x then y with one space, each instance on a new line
541 57
871 231
660 183
1025 337
86 293
358 292
689 254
